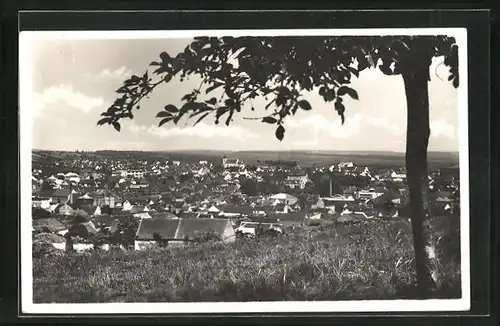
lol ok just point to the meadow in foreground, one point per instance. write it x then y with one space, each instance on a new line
368 261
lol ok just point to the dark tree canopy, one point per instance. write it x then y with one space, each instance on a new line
279 69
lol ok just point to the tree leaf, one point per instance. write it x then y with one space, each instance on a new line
229 102
229 117
329 95
203 116
322 90
280 132
163 114
117 126
214 86
102 121
171 108
304 105
123 89
135 79
163 121
155 63
164 56
270 120
354 71
349 91
386 70
221 111
340 108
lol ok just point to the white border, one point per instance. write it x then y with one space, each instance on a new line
26 91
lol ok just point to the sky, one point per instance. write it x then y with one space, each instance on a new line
74 81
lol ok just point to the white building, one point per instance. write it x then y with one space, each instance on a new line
297 181
368 194
132 173
232 163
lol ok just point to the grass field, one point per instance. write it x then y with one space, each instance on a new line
342 262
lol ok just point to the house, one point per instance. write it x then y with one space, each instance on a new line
316 216
282 208
126 206
84 230
345 165
398 177
105 197
229 163
103 221
236 210
142 215
37 212
164 216
283 198
41 202
180 231
297 181
57 241
132 173
368 194
61 196
334 203
288 217
85 200
64 209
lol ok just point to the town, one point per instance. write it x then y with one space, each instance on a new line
85 201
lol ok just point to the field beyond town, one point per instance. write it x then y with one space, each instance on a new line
370 260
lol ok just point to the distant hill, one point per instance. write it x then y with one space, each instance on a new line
370 158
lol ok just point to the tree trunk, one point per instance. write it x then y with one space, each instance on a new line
417 139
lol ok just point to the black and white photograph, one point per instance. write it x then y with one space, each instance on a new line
202 171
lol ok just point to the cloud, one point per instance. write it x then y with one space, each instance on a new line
441 128
119 73
50 97
332 127
200 130
397 130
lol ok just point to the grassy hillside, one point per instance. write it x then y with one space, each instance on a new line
342 262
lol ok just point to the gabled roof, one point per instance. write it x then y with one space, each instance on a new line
61 193
47 193
164 227
164 216
48 238
179 228
231 160
86 196
243 209
51 223
90 227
